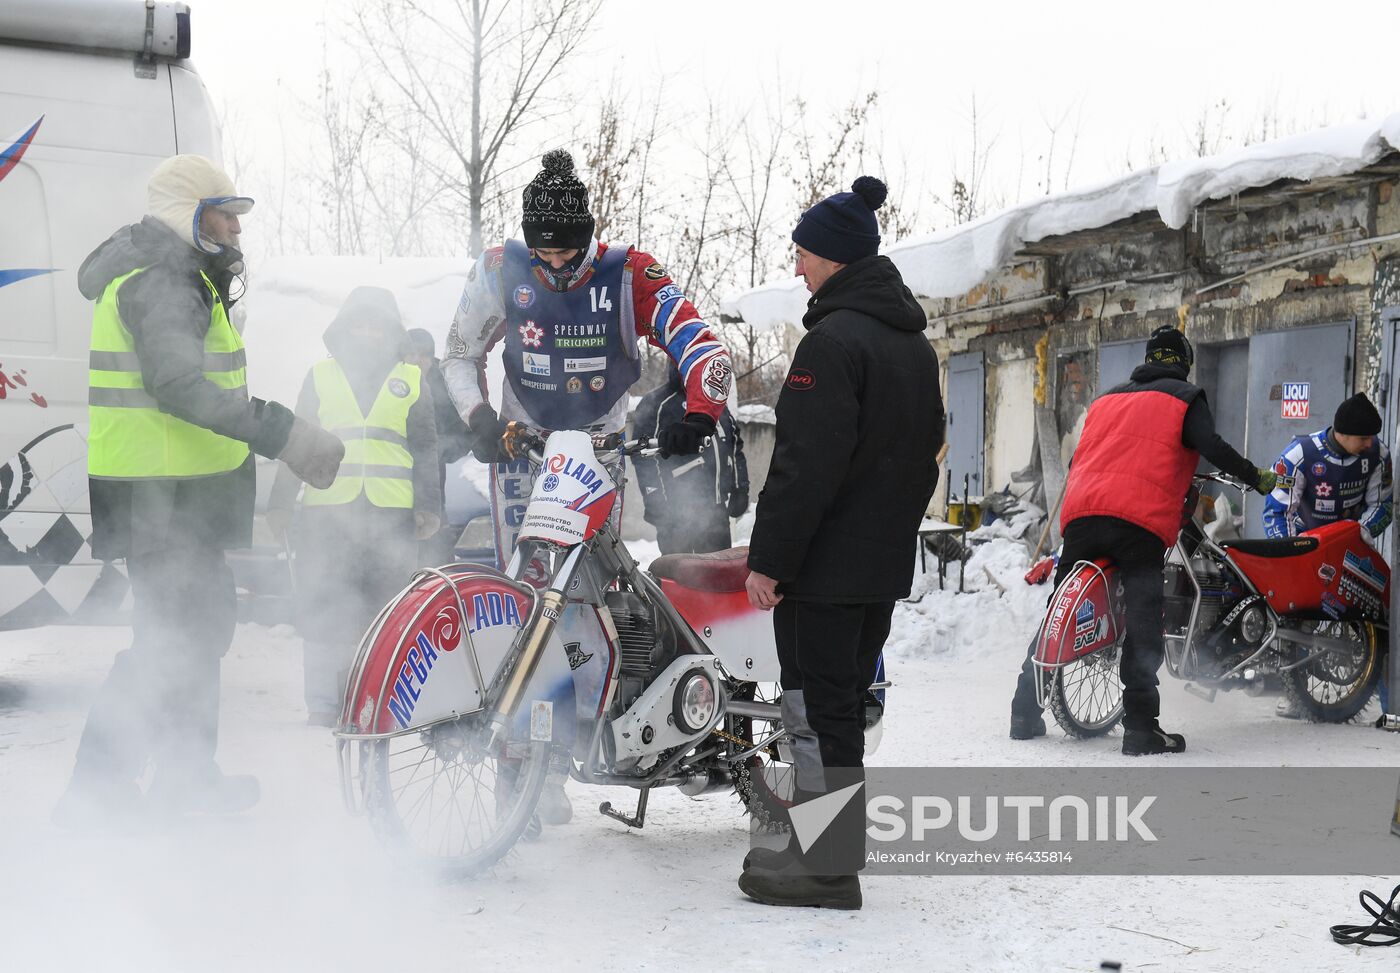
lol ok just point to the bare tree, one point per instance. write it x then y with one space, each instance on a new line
967 197
1208 132
477 72
821 156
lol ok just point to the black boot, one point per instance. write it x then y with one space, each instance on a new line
1027 726
1137 743
773 859
799 889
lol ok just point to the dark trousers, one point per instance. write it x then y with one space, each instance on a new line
161 699
828 655
1138 554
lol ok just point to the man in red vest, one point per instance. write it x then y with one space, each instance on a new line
1127 484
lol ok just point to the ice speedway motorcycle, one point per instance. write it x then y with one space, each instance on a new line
1309 611
471 680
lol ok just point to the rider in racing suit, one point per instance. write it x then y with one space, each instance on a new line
1342 472
569 310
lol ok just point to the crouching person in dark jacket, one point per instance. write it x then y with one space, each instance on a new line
860 421
689 499
355 540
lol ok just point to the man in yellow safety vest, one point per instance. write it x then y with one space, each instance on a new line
172 433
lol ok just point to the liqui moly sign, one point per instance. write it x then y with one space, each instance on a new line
1296 399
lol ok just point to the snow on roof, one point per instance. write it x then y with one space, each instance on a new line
953 261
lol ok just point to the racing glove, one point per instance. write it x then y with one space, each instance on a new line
488 433
1265 481
738 503
685 438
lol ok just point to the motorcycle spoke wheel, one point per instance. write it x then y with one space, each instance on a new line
1086 697
438 798
763 783
1336 686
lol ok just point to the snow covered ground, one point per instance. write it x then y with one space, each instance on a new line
299 885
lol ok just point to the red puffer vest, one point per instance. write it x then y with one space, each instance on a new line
1130 462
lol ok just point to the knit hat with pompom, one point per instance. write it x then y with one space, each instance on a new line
556 212
843 228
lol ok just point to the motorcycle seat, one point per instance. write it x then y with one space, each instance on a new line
722 571
1273 546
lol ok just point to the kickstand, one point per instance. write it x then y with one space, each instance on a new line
638 819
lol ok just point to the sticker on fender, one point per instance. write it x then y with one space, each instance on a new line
558 525
541 721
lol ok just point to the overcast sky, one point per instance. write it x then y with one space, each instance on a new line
1130 74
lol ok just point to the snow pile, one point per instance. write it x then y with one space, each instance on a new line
756 412
997 607
953 261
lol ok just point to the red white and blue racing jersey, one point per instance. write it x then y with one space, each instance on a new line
571 353
1319 483
571 361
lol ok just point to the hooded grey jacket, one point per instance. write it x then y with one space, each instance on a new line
366 362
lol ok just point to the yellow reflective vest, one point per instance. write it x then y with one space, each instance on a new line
377 461
129 438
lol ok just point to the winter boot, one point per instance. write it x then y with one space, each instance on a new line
1287 709
798 889
554 807
1027 726
773 859
1137 743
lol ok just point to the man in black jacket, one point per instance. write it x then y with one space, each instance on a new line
170 477
689 499
860 422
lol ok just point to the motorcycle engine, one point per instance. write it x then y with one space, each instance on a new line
636 630
1219 592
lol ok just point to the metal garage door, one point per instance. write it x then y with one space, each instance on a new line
966 385
1297 378
1117 361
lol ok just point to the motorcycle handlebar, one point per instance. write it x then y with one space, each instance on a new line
604 447
1221 478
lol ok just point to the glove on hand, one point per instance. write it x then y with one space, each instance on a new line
425 524
1265 481
685 438
313 454
487 432
738 504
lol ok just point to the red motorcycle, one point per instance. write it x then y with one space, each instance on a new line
1309 611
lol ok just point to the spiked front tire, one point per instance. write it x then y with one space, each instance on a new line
1086 697
436 798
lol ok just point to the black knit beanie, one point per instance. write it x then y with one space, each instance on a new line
556 212
1168 346
1357 417
842 228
